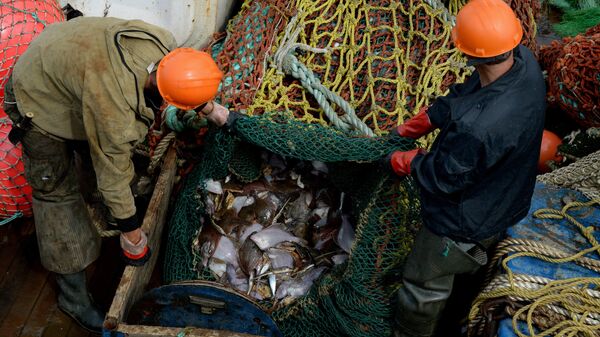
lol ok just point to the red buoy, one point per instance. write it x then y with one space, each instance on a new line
20 22
15 193
550 143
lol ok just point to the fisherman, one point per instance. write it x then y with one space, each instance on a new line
478 177
91 86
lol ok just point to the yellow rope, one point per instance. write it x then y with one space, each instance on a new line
572 294
354 67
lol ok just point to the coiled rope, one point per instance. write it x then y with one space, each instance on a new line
575 301
582 175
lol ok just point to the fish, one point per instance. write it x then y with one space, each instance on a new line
226 251
241 202
261 211
339 258
250 257
236 278
273 235
322 238
300 285
217 266
213 186
280 258
319 167
345 237
298 210
245 232
231 223
207 241
273 284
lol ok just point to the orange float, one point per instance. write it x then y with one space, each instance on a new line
548 150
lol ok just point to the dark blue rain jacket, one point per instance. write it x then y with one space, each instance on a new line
478 178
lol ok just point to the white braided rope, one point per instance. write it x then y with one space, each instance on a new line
582 175
446 16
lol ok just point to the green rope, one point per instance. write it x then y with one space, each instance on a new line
15 216
289 64
33 14
190 119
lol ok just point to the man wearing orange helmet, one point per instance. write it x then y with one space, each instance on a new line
479 175
91 86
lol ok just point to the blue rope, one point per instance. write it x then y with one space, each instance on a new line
14 217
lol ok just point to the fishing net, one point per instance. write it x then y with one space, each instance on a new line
21 22
574 76
325 81
15 193
528 12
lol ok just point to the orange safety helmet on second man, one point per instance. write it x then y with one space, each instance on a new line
486 28
188 78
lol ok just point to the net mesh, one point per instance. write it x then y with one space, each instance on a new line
15 193
21 22
385 59
574 76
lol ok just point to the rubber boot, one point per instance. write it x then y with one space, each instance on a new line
75 301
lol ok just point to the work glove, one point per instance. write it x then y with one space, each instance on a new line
399 161
214 112
419 125
135 254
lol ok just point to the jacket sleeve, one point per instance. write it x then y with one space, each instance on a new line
112 130
452 167
439 110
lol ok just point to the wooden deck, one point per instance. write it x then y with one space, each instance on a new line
28 291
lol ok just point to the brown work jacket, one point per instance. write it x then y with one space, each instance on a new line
84 80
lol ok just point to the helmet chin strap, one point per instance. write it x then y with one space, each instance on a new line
473 61
152 97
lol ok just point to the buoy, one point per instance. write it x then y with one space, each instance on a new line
548 149
20 22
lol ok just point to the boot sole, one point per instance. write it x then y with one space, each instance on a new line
86 328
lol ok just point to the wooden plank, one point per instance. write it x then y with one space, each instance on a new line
59 324
28 290
134 279
39 317
9 249
154 331
77 331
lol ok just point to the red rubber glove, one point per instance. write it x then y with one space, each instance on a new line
135 254
417 126
400 161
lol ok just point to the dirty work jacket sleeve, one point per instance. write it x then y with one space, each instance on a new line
112 131
453 166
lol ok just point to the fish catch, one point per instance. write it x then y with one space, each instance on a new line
273 238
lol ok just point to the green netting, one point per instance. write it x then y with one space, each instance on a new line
290 137
353 299
380 60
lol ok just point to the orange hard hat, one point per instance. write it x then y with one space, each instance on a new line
548 149
486 28
187 78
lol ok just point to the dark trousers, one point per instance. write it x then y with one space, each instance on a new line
67 239
428 278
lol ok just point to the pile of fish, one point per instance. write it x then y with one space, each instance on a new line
272 238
